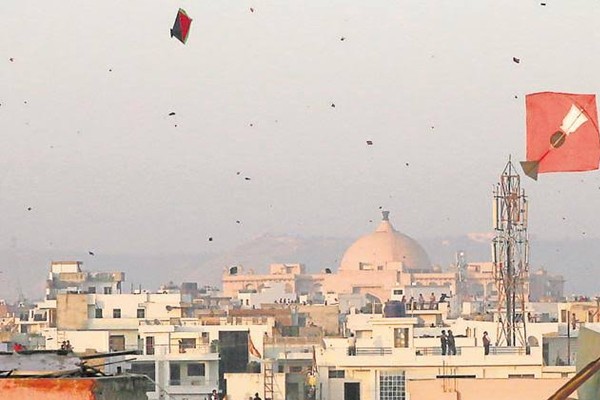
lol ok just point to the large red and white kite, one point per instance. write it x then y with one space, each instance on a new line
562 133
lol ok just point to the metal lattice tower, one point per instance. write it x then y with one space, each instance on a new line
510 254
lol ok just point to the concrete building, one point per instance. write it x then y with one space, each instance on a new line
187 360
108 322
69 277
393 357
372 266
293 277
545 286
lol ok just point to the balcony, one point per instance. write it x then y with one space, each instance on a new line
104 276
434 351
176 352
191 386
371 351
422 306
426 356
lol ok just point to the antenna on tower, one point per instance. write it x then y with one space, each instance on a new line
510 255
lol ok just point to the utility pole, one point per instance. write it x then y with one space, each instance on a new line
510 255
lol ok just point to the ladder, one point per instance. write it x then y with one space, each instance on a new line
268 379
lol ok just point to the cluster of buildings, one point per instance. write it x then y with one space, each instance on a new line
358 332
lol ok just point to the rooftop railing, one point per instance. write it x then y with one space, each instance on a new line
437 351
292 340
371 351
434 351
199 348
422 306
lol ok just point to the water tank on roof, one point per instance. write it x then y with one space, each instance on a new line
394 309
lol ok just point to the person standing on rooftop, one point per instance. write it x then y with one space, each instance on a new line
444 342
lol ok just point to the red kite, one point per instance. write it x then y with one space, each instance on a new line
562 133
181 27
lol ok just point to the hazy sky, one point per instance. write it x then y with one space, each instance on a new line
87 142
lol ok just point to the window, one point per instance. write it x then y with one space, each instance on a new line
196 369
91 289
186 343
141 313
295 369
116 342
150 345
174 374
107 290
145 368
98 313
522 376
337 373
392 385
205 337
401 337
117 313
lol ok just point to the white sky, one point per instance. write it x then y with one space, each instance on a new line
102 165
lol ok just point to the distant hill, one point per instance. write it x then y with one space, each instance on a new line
576 260
317 253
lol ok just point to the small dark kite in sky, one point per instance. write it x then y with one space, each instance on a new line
181 27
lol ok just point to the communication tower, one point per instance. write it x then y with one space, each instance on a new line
510 255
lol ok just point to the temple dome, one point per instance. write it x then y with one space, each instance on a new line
384 249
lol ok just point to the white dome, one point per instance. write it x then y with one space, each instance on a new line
385 246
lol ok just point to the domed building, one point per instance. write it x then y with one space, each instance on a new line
386 249
382 261
373 266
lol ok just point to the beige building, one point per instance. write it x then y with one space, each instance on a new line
292 276
372 266
69 277
545 286
394 358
